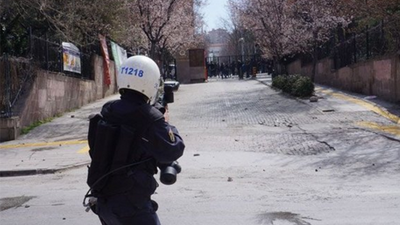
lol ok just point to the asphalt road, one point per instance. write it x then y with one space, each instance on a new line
253 156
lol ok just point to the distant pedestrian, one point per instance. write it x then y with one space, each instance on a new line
222 71
233 68
243 69
239 69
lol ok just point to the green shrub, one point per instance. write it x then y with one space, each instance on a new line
294 84
290 80
303 87
279 81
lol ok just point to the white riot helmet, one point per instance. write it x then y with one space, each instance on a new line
141 74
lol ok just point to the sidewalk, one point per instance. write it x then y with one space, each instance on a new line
43 152
331 99
52 147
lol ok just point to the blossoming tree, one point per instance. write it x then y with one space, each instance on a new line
285 27
168 24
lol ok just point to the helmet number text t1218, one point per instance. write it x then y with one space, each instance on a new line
132 71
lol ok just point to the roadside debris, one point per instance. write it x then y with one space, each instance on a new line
313 99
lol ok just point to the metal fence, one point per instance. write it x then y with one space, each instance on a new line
17 68
360 47
48 56
370 43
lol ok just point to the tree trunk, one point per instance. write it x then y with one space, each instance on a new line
277 67
315 58
152 54
314 65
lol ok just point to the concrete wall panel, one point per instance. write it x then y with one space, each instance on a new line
374 77
55 93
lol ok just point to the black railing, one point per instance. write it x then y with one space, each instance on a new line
370 43
47 54
17 67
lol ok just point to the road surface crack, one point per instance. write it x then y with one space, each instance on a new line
317 139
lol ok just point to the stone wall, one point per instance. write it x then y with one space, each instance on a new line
9 128
52 94
378 77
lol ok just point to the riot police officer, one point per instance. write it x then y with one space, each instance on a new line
147 139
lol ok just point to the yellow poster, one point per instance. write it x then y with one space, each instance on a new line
71 58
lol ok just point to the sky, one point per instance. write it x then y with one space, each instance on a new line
213 11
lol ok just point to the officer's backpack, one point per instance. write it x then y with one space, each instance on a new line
111 144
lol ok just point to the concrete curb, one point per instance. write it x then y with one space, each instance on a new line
374 107
30 172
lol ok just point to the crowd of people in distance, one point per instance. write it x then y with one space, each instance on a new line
244 69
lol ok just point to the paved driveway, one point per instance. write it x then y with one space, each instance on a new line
253 156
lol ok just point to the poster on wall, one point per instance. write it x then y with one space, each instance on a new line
119 55
71 58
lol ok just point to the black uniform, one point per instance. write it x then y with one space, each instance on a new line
125 198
